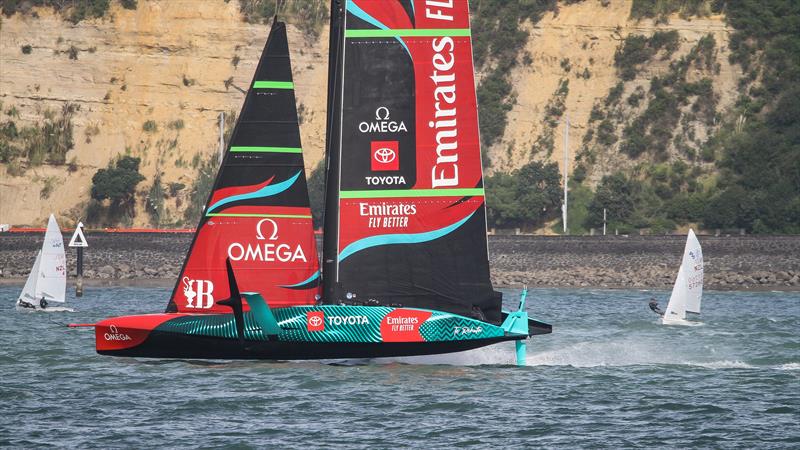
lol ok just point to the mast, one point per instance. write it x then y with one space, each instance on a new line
330 245
566 173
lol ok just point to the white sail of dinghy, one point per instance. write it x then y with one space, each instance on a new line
687 291
52 284
28 294
693 269
676 308
48 278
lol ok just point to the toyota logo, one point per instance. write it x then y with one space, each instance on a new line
112 329
315 321
385 155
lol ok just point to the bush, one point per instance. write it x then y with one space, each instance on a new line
154 203
48 186
26 49
606 133
316 192
634 51
527 197
117 183
87 9
176 124
308 15
618 195
49 141
174 188
150 126
660 9
201 187
494 98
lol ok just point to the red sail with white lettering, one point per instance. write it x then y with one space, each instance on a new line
409 194
258 214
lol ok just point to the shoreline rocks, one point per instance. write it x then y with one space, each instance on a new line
640 262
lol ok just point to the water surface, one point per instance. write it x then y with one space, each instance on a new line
609 376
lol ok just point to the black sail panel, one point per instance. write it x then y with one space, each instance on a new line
409 199
258 213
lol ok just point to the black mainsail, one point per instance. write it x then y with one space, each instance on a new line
405 213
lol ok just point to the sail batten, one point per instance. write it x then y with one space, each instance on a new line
391 193
265 84
267 149
410 32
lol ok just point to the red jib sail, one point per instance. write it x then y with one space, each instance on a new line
405 217
258 214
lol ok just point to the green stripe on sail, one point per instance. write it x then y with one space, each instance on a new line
464 192
273 85
267 149
277 216
410 32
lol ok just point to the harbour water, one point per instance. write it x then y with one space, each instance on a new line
609 376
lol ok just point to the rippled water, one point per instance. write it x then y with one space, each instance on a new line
609 376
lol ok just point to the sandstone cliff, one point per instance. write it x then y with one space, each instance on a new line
176 65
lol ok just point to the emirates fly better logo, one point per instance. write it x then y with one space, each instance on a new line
384 156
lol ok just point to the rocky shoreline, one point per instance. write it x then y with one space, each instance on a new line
638 262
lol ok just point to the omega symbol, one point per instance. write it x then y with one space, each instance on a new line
260 235
378 113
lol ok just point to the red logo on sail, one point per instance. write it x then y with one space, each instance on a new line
315 320
385 155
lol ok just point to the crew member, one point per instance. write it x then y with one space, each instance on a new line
43 303
654 306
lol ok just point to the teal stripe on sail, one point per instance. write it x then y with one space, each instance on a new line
266 149
273 85
405 238
410 32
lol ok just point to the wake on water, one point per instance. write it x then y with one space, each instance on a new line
50 309
680 322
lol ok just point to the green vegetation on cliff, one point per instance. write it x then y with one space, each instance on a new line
30 146
114 191
72 10
498 41
308 15
525 198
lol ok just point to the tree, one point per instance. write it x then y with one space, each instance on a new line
118 185
528 196
316 192
617 194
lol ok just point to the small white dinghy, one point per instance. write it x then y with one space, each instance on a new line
47 282
688 289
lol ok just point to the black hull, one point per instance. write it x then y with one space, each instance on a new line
172 345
